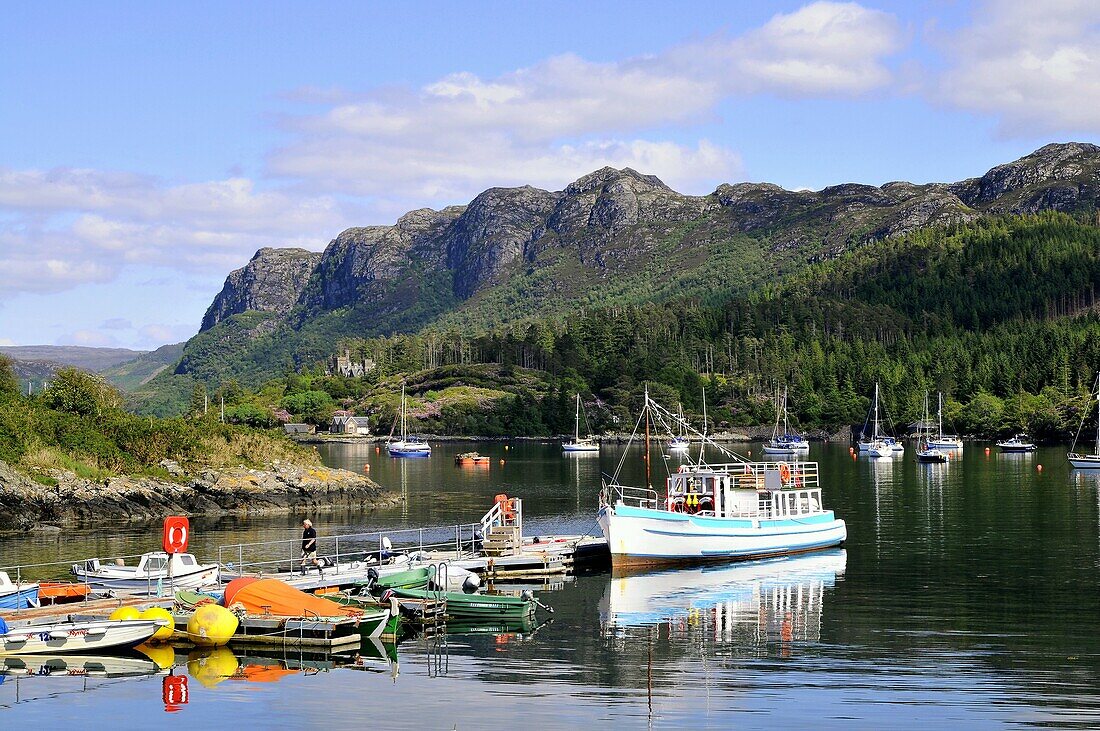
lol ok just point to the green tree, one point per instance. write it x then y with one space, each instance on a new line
9 384
78 392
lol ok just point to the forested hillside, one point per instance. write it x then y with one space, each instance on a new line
997 313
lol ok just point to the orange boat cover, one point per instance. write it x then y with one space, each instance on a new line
233 587
271 596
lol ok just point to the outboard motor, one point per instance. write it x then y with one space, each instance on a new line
471 583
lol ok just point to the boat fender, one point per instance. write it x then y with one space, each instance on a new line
3 626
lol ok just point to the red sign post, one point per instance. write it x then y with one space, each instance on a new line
177 531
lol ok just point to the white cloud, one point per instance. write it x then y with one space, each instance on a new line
67 227
1034 66
552 122
6 342
91 338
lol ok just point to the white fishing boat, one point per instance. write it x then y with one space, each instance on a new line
587 444
877 444
717 512
79 636
1017 444
408 445
1087 461
941 440
785 442
17 595
155 573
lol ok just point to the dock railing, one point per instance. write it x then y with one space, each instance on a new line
347 552
29 574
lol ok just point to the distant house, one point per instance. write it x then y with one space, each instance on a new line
350 425
299 428
343 365
282 416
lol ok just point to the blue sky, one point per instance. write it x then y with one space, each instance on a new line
147 149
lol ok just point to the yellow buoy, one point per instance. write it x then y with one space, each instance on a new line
211 625
163 654
160 613
505 447
212 667
125 613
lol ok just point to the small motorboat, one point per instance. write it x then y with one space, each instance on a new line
80 636
471 459
1017 444
930 455
155 573
17 595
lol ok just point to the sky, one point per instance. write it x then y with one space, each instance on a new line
148 149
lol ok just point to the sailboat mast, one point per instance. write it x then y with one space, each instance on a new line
577 421
402 412
786 429
939 415
1097 449
875 435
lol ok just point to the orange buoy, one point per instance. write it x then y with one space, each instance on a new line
377 450
987 450
502 461
366 468
1039 467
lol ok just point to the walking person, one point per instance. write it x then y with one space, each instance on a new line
309 547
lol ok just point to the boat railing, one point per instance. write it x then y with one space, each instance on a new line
350 551
638 497
28 574
794 474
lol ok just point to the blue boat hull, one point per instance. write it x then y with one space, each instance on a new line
21 599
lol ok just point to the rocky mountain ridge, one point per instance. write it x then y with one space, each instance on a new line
610 235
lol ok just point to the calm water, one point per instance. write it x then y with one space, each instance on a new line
966 596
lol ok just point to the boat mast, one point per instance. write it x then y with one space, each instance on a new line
577 422
786 429
875 435
403 412
648 478
939 416
1097 449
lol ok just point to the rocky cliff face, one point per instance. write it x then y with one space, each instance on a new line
271 282
602 230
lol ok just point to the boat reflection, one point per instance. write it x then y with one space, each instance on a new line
760 601
73 666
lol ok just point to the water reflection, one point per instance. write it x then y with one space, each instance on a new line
751 604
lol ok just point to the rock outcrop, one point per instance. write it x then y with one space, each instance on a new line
280 489
271 282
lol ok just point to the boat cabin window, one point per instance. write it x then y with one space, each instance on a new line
187 559
156 563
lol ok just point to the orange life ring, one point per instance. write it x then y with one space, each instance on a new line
177 530
784 473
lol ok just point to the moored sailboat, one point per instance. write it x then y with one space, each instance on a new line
941 440
408 445
785 442
587 444
877 445
926 453
1088 461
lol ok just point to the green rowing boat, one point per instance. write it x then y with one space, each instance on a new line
369 626
475 606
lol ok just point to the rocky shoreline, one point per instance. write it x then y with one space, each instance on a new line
280 489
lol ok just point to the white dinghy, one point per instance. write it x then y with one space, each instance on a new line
77 636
